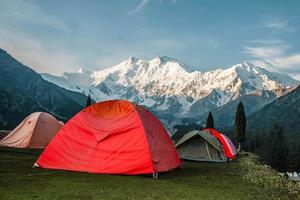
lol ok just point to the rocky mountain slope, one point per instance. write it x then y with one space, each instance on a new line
285 111
13 109
24 91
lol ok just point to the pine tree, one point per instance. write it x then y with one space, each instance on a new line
240 125
88 101
278 148
210 121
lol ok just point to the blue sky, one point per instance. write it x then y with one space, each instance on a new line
56 36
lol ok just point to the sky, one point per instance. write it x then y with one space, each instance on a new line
57 36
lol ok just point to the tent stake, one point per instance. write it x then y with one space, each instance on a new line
155 175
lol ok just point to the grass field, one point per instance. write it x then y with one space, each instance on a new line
241 179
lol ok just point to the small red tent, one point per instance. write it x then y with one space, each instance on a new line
114 137
229 148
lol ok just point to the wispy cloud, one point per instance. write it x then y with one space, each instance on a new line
143 4
16 18
266 42
140 6
265 52
275 58
17 11
277 24
289 63
295 76
272 53
35 54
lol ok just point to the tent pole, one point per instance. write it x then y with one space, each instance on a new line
208 150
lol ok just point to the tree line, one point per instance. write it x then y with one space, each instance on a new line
271 145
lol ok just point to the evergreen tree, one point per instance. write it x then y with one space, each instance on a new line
278 148
240 125
88 101
293 156
210 121
265 152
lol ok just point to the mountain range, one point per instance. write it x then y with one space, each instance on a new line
175 92
165 85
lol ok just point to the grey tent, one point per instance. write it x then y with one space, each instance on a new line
200 146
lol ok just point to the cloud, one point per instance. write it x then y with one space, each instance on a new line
172 1
266 42
295 76
140 6
36 55
277 24
275 58
16 37
265 52
274 24
143 4
20 12
290 63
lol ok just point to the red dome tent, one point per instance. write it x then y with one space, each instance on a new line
229 148
114 137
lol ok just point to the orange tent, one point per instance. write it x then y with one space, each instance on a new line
35 131
114 137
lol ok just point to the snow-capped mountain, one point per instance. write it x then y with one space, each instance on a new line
168 86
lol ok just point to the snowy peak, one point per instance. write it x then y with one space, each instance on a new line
84 71
172 62
245 66
134 69
254 77
157 62
165 84
160 60
130 61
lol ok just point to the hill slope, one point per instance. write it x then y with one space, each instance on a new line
26 91
284 111
13 108
224 116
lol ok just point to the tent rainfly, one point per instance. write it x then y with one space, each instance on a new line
228 147
35 131
112 137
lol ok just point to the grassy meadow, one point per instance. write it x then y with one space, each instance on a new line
243 178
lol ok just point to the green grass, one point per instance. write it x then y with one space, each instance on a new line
235 180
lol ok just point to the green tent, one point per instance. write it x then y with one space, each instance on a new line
200 146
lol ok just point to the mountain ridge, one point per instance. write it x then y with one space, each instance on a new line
284 111
167 85
25 91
